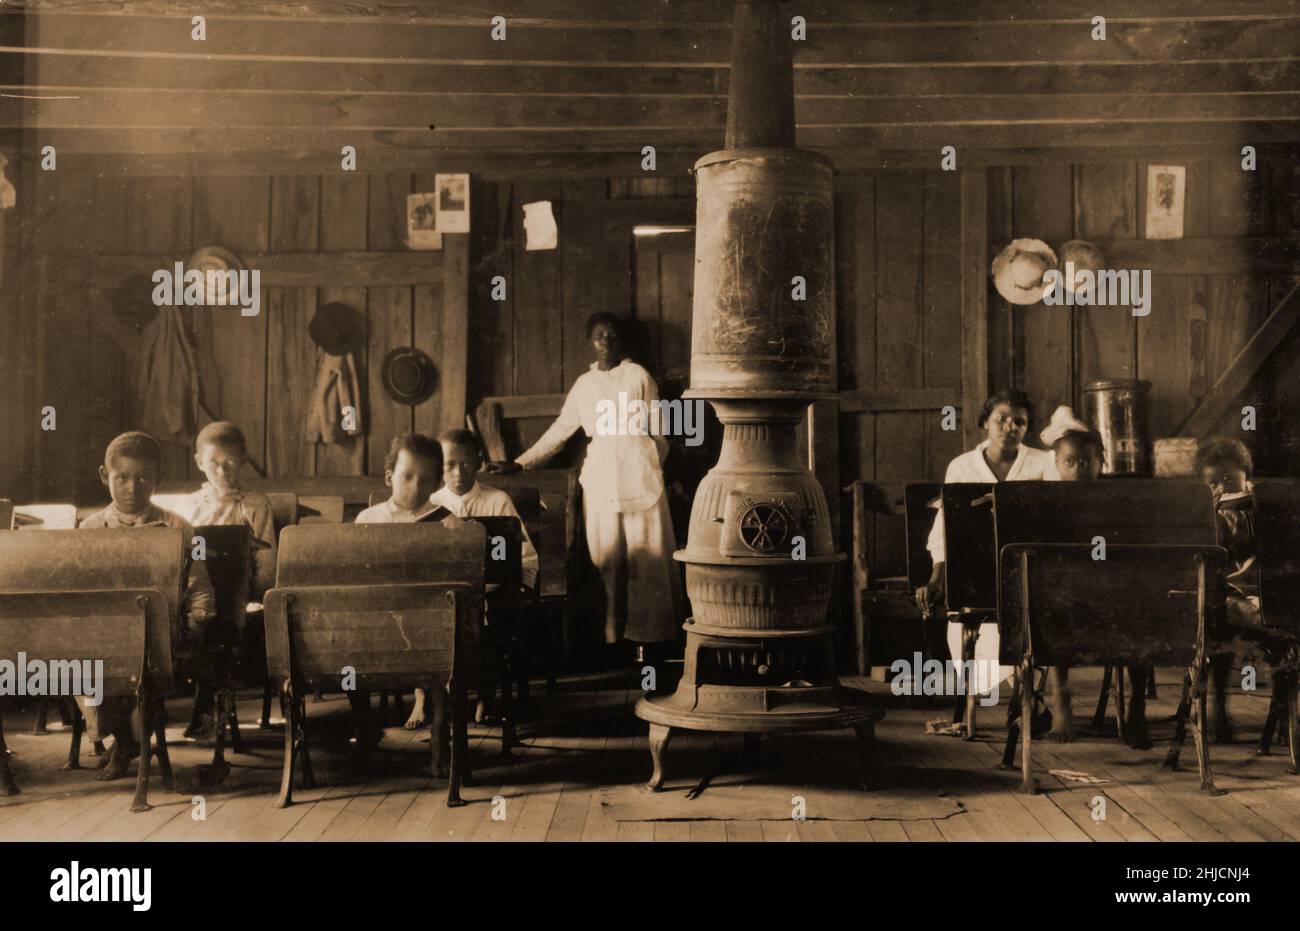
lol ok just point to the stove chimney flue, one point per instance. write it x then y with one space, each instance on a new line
760 104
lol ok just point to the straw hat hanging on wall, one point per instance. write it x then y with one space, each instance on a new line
1018 270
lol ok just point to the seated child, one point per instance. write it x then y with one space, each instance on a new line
464 496
220 453
1079 456
132 469
1226 467
412 469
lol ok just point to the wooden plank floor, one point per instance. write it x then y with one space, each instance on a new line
585 737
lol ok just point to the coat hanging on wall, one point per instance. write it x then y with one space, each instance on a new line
169 379
334 411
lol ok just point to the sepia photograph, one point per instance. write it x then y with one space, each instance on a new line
852 422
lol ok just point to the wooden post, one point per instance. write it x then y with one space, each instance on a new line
455 330
974 300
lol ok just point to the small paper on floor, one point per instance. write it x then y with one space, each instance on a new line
1073 775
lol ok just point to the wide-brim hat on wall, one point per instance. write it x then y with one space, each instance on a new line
337 328
409 375
1018 270
1084 255
214 259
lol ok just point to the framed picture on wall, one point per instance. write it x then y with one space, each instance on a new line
453 203
422 221
1166 197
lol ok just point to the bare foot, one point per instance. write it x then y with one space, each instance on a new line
417 719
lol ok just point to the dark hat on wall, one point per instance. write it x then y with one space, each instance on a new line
409 375
337 328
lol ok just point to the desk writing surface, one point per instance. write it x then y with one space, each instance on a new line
45 516
320 509
375 554
1149 511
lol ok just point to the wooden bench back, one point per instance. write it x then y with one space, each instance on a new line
395 602
61 629
1139 605
1277 548
69 572
970 548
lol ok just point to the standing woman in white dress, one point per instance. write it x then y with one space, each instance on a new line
629 530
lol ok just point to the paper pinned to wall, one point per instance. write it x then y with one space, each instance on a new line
1166 196
540 231
8 196
453 203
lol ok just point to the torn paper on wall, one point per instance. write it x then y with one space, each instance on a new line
539 226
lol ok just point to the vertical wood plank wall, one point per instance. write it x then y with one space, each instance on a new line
257 371
898 282
898 290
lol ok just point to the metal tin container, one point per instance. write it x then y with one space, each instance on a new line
1117 409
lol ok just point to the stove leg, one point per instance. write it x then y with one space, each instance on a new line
867 748
660 734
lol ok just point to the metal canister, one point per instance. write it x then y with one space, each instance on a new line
764 306
1117 409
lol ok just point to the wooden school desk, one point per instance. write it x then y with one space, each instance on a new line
107 595
1152 599
399 605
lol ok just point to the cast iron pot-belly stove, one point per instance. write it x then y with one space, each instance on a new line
760 558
